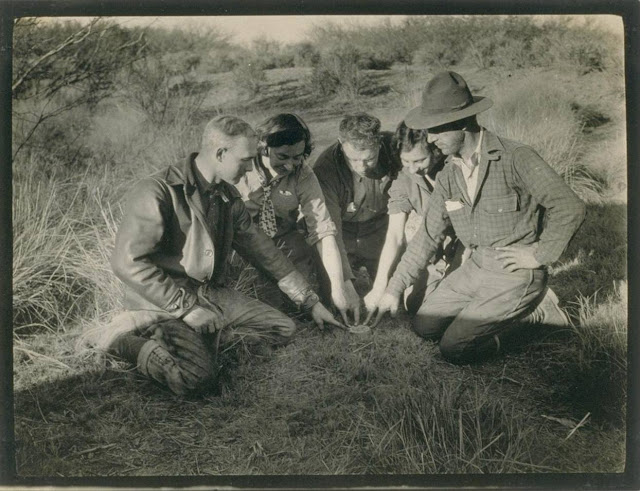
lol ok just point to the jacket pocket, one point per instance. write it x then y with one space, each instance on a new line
501 204
498 217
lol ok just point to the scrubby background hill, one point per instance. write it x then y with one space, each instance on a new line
97 106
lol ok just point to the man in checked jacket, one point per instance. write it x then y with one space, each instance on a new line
495 193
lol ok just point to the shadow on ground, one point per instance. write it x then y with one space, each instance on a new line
596 258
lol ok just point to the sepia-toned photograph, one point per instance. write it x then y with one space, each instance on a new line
320 245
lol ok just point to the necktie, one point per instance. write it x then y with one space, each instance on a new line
267 219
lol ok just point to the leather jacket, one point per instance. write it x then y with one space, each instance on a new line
164 248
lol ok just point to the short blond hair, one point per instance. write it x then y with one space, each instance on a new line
221 130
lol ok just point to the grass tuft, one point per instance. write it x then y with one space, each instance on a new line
535 112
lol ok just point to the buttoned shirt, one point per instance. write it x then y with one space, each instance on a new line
295 195
369 199
515 188
469 167
337 183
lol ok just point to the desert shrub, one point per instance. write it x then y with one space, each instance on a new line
519 109
485 41
442 42
249 75
59 66
582 46
436 53
219 61
370 60
305 54
271 54
57 141
194 47
505 41
337 73
514 54
165 91
379 45
187 39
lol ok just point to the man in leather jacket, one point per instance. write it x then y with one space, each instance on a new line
171 250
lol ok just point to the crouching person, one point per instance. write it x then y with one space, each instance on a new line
171 250
507 207
284 198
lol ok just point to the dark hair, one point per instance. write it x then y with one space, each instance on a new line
405 138
283 129
360 129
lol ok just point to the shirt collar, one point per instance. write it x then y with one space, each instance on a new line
267 178
475 156
201 183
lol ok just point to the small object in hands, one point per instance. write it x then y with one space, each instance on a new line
360 329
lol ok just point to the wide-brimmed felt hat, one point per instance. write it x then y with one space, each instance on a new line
445 99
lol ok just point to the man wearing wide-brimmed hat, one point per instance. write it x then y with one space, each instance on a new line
496 193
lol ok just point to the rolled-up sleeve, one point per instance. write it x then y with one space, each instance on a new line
330 188
139 237
424 244
564 213
314 208
399 201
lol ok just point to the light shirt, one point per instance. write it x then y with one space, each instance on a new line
294 195
469 168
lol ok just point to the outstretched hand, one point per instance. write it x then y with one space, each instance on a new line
388 303
321 315
517 257
346 300
353 303
371 301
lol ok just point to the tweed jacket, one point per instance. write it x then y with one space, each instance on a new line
516 191
164 245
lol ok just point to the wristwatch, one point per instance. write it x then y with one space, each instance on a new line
309 301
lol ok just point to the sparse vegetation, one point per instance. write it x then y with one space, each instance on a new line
330 402
337 72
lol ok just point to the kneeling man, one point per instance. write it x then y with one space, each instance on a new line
495 193
171 251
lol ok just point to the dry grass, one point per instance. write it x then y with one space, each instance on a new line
45 282
536 112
